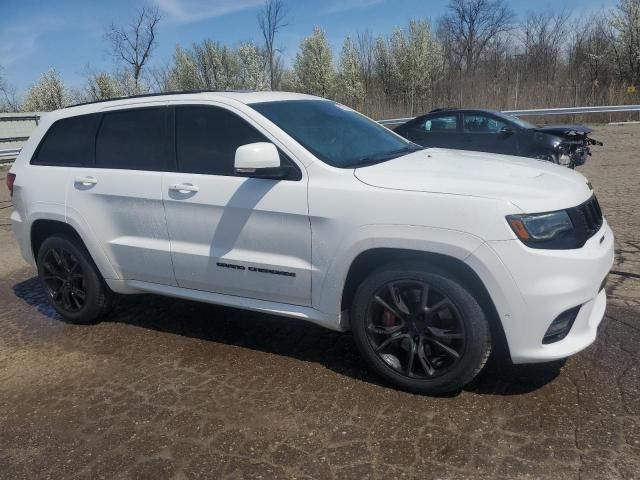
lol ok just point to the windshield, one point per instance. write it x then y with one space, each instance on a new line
335 134
518 121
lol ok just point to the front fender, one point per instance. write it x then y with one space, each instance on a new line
329 282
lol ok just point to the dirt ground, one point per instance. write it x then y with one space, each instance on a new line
173 389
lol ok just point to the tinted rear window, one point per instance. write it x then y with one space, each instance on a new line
134 140
447 124
207 139
69 142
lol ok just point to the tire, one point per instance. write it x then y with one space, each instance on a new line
71 281
451 316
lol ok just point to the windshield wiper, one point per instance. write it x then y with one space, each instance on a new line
383 157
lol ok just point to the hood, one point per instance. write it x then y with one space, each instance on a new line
564 129
532 185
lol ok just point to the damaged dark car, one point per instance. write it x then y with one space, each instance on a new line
496 132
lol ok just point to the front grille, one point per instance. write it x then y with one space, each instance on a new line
587 219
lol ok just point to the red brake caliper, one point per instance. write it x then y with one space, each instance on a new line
388 318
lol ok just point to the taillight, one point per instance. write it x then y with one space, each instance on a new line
11 177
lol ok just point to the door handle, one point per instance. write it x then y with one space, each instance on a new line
183 187
86 180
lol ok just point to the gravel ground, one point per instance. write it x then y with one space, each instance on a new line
173 389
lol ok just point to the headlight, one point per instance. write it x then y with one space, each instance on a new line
543 230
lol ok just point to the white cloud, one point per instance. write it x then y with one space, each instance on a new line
185 11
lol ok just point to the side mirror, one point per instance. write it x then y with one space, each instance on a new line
259 159
506 131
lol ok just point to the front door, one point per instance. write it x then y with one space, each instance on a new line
234 235
486 133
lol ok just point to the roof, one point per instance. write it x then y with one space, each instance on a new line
457 109
246 97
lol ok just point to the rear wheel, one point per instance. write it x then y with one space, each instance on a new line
422 331
71 280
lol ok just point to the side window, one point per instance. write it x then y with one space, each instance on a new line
444 124
207 139
479 123
134 140
69 142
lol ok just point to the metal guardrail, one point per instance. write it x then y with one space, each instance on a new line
545 111
9 154
15 129
15 118
14 139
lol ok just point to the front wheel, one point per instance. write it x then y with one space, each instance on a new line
548 157
71 280
420 330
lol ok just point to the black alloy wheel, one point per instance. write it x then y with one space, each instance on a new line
65 280
415 329
71 280
420 328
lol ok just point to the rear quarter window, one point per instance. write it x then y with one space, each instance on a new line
68 142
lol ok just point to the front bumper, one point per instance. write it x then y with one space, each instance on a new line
531 287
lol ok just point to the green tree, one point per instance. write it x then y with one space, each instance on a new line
252 74
314 65
417 56
184 75
350 84
101 86
48 93
207 66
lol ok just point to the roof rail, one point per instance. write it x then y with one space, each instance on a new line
145 95
443 109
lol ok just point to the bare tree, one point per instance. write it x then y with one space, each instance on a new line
545 34
625 31
469 26
160 78
8 100
591 54
133 44
271 20
366 53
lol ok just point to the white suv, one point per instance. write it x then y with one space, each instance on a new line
298 206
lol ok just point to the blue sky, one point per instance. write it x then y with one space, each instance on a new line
68 34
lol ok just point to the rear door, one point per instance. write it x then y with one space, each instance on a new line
440 130
118 196
234 235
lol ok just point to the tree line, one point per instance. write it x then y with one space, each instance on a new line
478 53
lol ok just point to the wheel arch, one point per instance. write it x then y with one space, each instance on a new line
42 228
370 260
